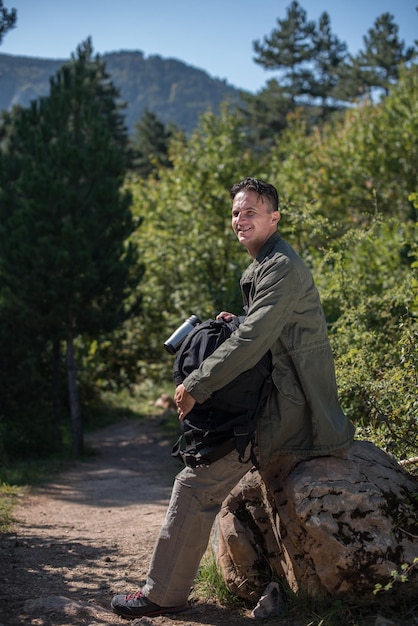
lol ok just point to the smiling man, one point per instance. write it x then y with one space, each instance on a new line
302 415
254 218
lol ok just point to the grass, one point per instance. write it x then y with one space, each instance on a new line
305 610
210 585
111 408
8 498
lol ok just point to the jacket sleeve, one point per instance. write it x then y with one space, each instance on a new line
276 288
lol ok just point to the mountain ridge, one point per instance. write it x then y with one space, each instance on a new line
175 91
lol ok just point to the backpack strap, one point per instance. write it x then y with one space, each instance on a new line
245 433
242 440
200 453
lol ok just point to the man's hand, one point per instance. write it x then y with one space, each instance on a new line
224 315
184 401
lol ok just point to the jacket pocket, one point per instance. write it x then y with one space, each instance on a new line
287 383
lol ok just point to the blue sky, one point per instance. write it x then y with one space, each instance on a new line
215 36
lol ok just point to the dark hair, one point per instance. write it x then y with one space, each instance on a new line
265 190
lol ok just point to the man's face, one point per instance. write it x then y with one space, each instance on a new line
252 220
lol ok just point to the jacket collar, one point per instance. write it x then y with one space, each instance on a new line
268 246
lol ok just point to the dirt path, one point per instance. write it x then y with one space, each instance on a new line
89 533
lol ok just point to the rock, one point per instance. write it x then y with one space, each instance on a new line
245 536
382 621
337 524
165 401
61 604
271 603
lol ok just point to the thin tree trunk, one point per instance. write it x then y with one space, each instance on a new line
56 385
75 409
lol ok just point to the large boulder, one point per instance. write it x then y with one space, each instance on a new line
337 524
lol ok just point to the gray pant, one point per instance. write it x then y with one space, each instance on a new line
195 501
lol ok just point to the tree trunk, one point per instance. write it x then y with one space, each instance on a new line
339 525
75 410
56 386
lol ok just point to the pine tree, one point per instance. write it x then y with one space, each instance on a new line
329 57
265 115
289 48
64 220
150 145
309 59
7 20
383 55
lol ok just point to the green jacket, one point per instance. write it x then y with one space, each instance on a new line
284 315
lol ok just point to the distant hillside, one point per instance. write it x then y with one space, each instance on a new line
174 91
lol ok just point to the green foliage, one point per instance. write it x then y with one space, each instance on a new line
315 70
348 191
210 584
66 267
192 258
289 47
329 55
308 57
370 301
150 145
102 410
384 54
317 77
364 261
266 115
302 608
8 496
398 576
348 202
61 173
345 168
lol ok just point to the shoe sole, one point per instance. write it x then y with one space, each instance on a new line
167 611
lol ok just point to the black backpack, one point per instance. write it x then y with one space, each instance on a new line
226 421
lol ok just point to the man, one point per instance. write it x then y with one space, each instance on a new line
302 414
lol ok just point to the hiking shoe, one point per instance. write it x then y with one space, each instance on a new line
136 605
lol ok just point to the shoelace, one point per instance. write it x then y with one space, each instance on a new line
134 596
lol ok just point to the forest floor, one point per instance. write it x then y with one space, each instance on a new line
89 533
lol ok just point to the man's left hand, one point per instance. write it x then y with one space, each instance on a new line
184 401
